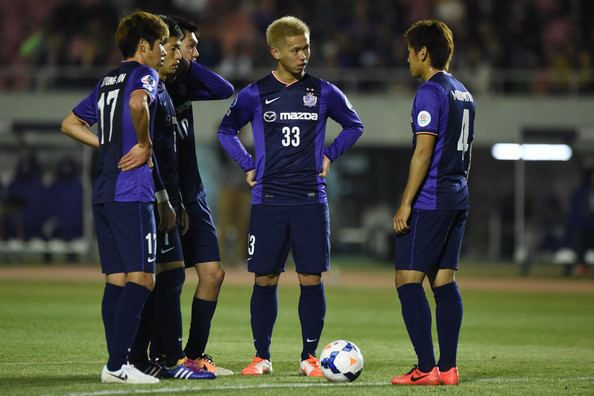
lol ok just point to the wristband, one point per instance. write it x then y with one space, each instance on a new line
161 196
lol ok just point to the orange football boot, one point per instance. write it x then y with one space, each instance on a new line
258 366
310 367
417 377
450 377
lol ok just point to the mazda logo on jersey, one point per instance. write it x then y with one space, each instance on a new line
270 116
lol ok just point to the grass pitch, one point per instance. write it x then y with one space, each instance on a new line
522 340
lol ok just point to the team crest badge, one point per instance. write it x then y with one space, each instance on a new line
310 100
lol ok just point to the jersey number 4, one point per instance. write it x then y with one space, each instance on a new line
463 140
110 102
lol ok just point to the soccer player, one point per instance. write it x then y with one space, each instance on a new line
123 104
195 82
430 220
288 110
163 311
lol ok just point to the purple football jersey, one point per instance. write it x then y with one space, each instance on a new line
443 107
289 126
108 106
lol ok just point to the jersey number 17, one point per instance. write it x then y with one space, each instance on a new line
110 102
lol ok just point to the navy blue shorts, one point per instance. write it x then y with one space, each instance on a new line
169 247
200 244
126 236
304 229
433 241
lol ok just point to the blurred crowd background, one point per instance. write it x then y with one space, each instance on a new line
536 46
529 64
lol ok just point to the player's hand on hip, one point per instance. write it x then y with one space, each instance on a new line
400 219
250 177
325 166
166 216
137 156
184 220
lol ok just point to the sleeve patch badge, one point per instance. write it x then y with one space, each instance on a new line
423 118
148 83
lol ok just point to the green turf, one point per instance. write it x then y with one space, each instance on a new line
51 343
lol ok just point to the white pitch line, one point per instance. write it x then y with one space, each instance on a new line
227 388
51 363
293 385
528 379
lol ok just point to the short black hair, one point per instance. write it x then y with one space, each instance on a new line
174 28
186 24
434 35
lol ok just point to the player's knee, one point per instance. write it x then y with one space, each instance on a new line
441 282
214 278
408 276
266 280
310 279
118 279
143 279
219 275
443 277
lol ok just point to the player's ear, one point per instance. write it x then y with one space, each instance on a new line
275 53
142 45
423 54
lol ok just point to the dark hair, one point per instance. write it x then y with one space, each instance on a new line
185 24
434 35
136 26
174 28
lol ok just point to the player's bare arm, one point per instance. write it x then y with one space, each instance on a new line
325 166
419 165
141 152
78 130
167 217
250 177
184 220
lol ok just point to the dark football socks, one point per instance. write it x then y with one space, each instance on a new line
111 296
448 315
168 317
417 317
143 335
263 308
202 313
312 309
125 323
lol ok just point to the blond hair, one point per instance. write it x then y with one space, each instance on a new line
287 26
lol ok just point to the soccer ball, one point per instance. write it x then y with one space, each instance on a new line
341 361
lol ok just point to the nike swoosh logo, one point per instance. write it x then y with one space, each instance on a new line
413 378
268 101
249 258
308 340
151 259
123 377
163 251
